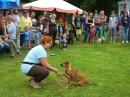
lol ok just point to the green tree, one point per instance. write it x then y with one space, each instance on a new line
91 5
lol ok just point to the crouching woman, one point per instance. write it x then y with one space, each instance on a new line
35 63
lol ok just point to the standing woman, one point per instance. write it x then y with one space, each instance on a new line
73 24
125 20
24 21
102 20
112 25
52 27
89 22
40 23
86 30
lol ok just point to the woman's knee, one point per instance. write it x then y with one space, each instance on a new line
45 73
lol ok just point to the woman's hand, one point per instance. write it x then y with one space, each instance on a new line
4 27
58 73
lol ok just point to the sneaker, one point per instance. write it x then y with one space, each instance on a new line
19 53
30 79
34 85
110 41
126 41
114 42
122 41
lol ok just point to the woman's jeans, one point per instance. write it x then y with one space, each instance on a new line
125 33
113 34
86 31
103 32
3 47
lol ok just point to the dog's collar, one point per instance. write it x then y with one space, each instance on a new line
72 76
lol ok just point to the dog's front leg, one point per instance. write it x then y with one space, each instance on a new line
69 80
68 83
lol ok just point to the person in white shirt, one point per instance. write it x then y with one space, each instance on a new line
112 25
11 28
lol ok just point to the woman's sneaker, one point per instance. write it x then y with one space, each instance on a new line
34 85
30 79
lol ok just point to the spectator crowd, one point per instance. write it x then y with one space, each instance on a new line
24 32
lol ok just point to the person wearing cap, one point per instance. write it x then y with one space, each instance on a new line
24 21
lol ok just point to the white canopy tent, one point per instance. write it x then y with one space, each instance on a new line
50 5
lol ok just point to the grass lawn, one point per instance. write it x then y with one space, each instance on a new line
108 65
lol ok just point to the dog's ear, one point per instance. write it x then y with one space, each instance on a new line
66 62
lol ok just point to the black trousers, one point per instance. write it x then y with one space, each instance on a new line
53 33
74 31
21 39
38 72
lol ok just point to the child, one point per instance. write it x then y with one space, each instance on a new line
62 38
38 36
92 33
78 28
27 34
112 25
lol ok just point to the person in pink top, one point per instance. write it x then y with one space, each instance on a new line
5 13
92 33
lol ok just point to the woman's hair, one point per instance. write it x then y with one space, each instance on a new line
2 20
5 11
45 39
91 14
39 18
25 11
125 13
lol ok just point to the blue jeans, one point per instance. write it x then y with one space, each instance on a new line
113 34
97 31
86 30
129 34
125 33
3 47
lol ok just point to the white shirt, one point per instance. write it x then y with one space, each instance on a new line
11 28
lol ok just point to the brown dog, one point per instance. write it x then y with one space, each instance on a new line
74 75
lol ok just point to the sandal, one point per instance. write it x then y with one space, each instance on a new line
12 56
20 53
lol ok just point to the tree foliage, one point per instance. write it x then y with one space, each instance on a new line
91 5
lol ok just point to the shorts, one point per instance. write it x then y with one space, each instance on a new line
27 42
78 31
